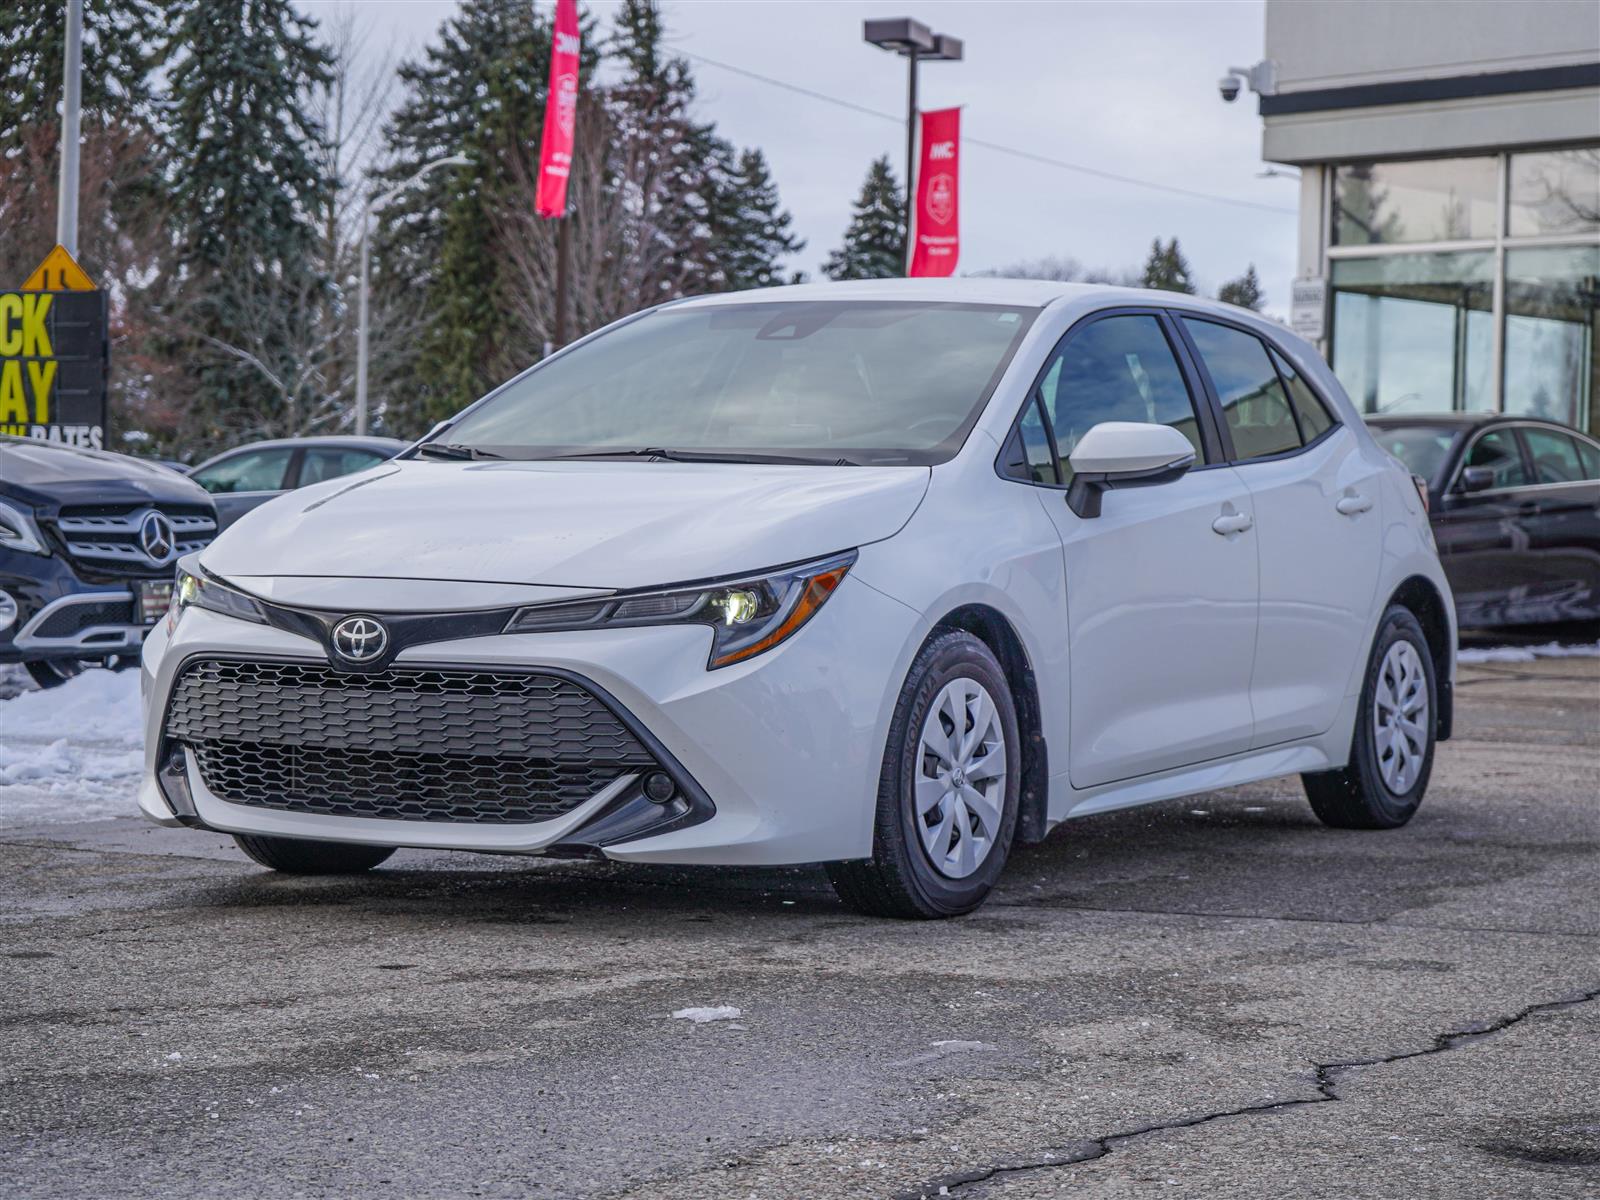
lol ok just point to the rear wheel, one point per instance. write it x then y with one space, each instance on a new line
1391 754
948 790
53 672
297 856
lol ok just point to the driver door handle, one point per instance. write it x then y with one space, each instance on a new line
1352 505
1230 523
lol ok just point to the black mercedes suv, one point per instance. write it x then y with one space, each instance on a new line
87 546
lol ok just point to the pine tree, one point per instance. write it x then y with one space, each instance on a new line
121 47
1244 291
245 170
674 170
1167 269
120 156
479 89
874 242
246 188
752 234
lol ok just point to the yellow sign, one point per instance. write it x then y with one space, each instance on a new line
24 335
58 273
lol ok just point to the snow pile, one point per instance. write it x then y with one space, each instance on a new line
1488 654
722 1012
73 752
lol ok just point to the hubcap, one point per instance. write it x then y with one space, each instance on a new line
961 778
1400 717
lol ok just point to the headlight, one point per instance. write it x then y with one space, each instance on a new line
18 532
191 588
746 616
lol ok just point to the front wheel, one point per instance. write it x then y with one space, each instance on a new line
53 672
298 856
948 791
1391 753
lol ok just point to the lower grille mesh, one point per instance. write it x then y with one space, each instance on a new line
75 618
403 743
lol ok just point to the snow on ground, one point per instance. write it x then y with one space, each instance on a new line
1486 654
701 1014
71 753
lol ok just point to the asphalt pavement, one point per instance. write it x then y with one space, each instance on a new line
1212 997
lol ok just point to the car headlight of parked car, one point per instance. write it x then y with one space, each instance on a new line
18 532
746 616
192 589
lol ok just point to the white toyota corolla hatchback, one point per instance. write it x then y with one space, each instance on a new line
885 575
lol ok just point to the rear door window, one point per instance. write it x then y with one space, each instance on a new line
327 462
1589 456
1252 397
1555 456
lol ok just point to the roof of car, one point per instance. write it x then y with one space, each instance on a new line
1021 293
1459 420
336 441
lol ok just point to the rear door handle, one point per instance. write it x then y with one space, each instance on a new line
1230 523
1353 504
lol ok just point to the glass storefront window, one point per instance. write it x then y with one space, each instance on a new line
1551 322
1414 332
1555 191
1437 200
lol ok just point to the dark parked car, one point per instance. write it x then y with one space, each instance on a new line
1515 507
249 476
87 546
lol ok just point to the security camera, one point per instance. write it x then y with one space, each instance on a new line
1228 87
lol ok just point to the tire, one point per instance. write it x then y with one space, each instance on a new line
297 856
1382 786
53 672
951 675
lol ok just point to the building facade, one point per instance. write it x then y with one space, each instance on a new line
1449 156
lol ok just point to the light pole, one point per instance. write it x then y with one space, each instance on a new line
71 113
372 206
918 43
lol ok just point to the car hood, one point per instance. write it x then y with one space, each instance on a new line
45 473
590 524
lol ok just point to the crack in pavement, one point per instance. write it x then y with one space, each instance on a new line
1328 1078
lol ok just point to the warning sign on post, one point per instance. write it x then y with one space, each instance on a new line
53 356
59 272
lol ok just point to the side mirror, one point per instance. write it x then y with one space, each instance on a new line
1121 454
1476 479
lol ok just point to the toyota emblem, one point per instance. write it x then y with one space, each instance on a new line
156 538
360 639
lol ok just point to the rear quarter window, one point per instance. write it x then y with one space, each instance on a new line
1315 420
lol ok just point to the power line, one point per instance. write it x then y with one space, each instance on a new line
996 146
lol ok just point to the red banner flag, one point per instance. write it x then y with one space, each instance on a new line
935 236
560 114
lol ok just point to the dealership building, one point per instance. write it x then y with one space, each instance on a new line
1449 158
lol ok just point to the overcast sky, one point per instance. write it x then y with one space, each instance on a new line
1126 87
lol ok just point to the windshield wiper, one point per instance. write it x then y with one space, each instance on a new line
453 451
707 456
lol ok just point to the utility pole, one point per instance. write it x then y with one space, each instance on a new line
902 35
372 206
71 124
563 268
911 142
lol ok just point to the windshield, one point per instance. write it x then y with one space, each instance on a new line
1423 448
823 381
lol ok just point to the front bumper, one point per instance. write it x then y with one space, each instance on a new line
786 747
61 615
